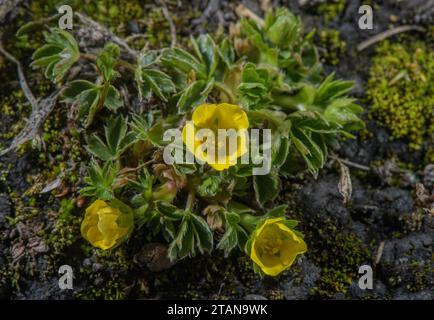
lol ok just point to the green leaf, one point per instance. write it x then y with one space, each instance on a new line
254 34
58 55
277 212
74 88
209 186
169 211
89 101
25 28
183 243
344 112
140 125
113 100
227 52
194 95
87 95
184 169
309 150
100 181
46 53
234 234
117 140
145 130
106 61
203 234
254 89
331 89
229 240
266 187
154 134
147 59
193 233
153 80
282 28
281 152
291 224
232 217
206 51
312 121
184 62
143 184
98 148
302 99
115 132
239 208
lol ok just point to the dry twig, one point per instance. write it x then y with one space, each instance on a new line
386 34
379 252
350 163
23 83
40 110
243 12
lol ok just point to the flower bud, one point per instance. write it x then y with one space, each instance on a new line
107 224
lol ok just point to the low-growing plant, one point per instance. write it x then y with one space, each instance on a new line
266 75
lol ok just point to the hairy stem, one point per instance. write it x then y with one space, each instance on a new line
190 200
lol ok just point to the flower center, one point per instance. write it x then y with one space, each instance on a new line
271 242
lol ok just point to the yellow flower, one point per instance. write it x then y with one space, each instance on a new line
274 246
105 225
214 117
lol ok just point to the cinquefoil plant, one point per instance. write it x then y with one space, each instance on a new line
265 76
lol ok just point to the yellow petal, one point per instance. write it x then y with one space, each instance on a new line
220 116
205 116
266 223
220 166
94 236
297 244
215 117
232 117
95 206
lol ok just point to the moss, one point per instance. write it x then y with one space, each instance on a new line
106 290
331 45
331 10
412 222
13 109
420 274
107 275
332 282
401 90
66 231
158 35
340 255
115 14
158 32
